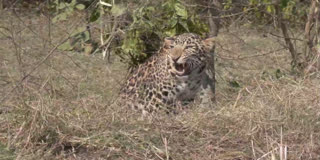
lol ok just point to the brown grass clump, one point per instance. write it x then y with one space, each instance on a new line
63 109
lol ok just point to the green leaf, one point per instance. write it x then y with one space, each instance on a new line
149 24
184 25
60 17
284 3
253 2
65 46
227 4
234 84
86 36
270 9
278 73
117 10
173 22
181 11
55 19
78 30
150 9
171 32
73 2
56 2
61 5
80 6
95 15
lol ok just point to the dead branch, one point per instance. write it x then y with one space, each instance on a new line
308 28
286 36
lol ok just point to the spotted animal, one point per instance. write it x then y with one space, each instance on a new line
170 78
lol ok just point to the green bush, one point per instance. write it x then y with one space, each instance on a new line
148 25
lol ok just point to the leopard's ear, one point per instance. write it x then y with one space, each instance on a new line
209 43
168 41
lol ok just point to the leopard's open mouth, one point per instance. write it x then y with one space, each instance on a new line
182 69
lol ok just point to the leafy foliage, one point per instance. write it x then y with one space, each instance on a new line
150 25
65 9
80 37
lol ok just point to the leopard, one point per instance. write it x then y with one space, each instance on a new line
171 78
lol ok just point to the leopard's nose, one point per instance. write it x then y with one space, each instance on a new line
175 59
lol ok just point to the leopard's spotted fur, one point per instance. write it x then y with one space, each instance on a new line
169 78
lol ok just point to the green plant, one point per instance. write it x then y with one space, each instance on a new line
81 35
64 9
143 36
151 25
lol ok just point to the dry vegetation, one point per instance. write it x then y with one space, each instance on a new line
58 105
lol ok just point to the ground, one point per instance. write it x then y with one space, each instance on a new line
63 108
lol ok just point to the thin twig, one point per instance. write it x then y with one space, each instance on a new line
298 39
34 68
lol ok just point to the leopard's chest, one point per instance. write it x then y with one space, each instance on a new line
187 88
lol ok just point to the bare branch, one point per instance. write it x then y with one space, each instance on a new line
285 33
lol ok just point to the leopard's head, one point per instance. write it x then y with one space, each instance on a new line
187 53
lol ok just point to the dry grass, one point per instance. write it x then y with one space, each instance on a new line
63 109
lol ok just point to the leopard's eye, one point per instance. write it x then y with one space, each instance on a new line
171 46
